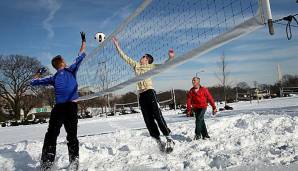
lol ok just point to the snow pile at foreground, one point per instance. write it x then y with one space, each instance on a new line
247 139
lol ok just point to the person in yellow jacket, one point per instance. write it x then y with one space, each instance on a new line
147 97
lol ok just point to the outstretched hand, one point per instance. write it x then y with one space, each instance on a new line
171 54
83 36
41 70
83 46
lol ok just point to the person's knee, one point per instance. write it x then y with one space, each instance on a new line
51 137
155 135
53 130
200 119
72 138
200 116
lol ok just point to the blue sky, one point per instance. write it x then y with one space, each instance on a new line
45 28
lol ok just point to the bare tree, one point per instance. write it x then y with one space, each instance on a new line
30 101
223 75
48 94
181 97
83 105
16 71
290 80
38 97
2 104
243 85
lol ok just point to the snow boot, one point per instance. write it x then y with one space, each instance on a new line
161 144
74 165
46 166
197 137
169 144
206 136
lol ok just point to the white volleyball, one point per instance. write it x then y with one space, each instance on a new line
99 37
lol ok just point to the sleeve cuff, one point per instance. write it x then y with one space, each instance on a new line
82 54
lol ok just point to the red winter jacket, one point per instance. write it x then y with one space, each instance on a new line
199 99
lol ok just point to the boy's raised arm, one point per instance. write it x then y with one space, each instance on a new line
74 67
126 58
171 54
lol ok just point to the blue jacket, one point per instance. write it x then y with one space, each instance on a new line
64 82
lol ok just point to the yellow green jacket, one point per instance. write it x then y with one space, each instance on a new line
139 70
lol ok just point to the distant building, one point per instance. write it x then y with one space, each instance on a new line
39 113
253 93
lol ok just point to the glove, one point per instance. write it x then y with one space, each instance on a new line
83 36
41 70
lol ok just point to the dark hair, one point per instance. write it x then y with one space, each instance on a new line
198 78
150 58
56 61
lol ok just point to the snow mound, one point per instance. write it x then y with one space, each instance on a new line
237 141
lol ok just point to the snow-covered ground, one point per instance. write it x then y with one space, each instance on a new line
254 136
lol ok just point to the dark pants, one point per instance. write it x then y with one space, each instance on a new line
151 113
201 129
66 114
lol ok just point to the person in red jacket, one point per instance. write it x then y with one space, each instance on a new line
198 98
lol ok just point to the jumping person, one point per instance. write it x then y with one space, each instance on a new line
65 109
198 98
147 97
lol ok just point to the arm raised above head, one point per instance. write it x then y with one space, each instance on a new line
74 67
83 45
171 55
126 58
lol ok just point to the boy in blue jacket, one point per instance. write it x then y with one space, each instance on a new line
65 109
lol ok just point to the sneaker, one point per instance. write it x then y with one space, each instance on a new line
197 137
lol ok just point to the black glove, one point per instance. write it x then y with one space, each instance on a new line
41 70
83 37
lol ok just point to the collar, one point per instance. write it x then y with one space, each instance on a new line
194 89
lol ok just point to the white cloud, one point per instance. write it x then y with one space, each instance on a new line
47 56
53 6
122 13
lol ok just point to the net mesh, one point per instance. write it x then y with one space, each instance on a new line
189 27
165 99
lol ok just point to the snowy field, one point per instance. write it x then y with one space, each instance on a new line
254 136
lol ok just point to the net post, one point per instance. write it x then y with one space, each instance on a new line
174 97
269 16
138 96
